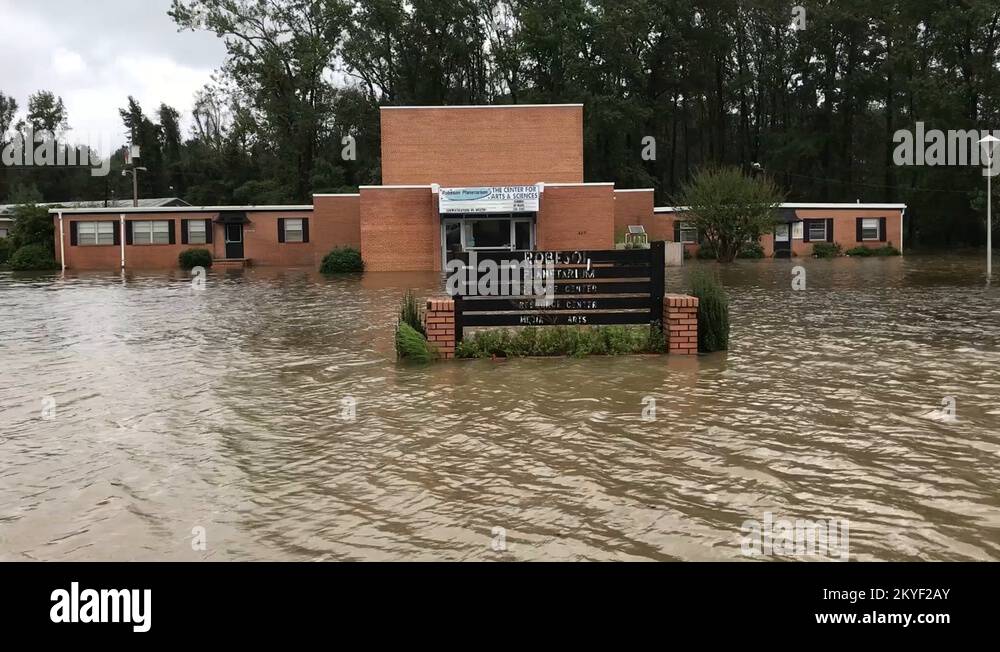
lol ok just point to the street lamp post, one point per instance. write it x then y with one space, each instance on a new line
989 147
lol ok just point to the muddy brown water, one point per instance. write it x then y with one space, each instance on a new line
136 410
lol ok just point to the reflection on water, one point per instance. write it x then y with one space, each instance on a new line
224 408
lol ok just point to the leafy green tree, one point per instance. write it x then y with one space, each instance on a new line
730 209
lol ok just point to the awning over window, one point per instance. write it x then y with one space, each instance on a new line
232 217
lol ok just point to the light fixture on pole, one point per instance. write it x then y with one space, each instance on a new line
989 144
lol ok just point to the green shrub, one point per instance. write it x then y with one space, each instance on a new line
751 250
342 260
4 250
864 252
562 340
827 250
409 313
411 345
706 252
33 257
191 258
713 312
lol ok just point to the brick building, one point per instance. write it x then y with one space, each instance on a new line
457 178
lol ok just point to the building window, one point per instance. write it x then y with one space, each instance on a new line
156 232
95 233
817 230
797 228
870 229
196 232
3 233
689 234
293 230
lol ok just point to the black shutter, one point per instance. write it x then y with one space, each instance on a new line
170 231
118 233
829 229
305 229
677 231
858 224
128 232
184 231
208 231
881 229
281 229
72 234
805 230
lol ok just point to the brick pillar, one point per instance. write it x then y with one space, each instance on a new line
439 322
680 324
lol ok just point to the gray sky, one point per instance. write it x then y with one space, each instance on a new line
95 53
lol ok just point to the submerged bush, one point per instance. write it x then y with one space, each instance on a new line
342 260
411 345
864 252
409 313
33 257
562 340
713 312
191 258
751 250
827 250
4 250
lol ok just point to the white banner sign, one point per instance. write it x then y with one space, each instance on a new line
497 199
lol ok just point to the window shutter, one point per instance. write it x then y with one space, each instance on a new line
677 231
281 229
72 234
805 230
305 229
118 233
208 231
128 232
858 222
184 231
829 229
170 231
881 229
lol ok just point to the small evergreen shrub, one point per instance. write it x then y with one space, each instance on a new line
562 341
827 250
713 312
191 258
409 313
865 252
32 257
411 345
342 260
751 250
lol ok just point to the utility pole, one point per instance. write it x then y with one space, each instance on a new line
131 154
989 148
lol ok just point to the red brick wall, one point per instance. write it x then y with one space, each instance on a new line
400 229
439 322
634 208
576 217
464 146
338 220
680 324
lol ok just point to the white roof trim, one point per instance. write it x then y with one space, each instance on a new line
635 189
336 194
486 106
181 209
831 206
427 186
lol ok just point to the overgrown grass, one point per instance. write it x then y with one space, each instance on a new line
409 313
713 312
827 250
411 345
562 341
865 252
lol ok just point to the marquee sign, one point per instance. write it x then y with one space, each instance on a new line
489 199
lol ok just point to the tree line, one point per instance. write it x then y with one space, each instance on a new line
812 92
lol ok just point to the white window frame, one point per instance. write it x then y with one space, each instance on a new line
797 230
101 236
300 233
3 232
200 237
812 225
688 230
877 226
151 232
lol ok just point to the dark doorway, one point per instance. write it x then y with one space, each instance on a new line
234 241
783 241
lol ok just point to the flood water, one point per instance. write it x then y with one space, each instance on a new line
136 410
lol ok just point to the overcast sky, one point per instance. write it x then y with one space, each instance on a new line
95 53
